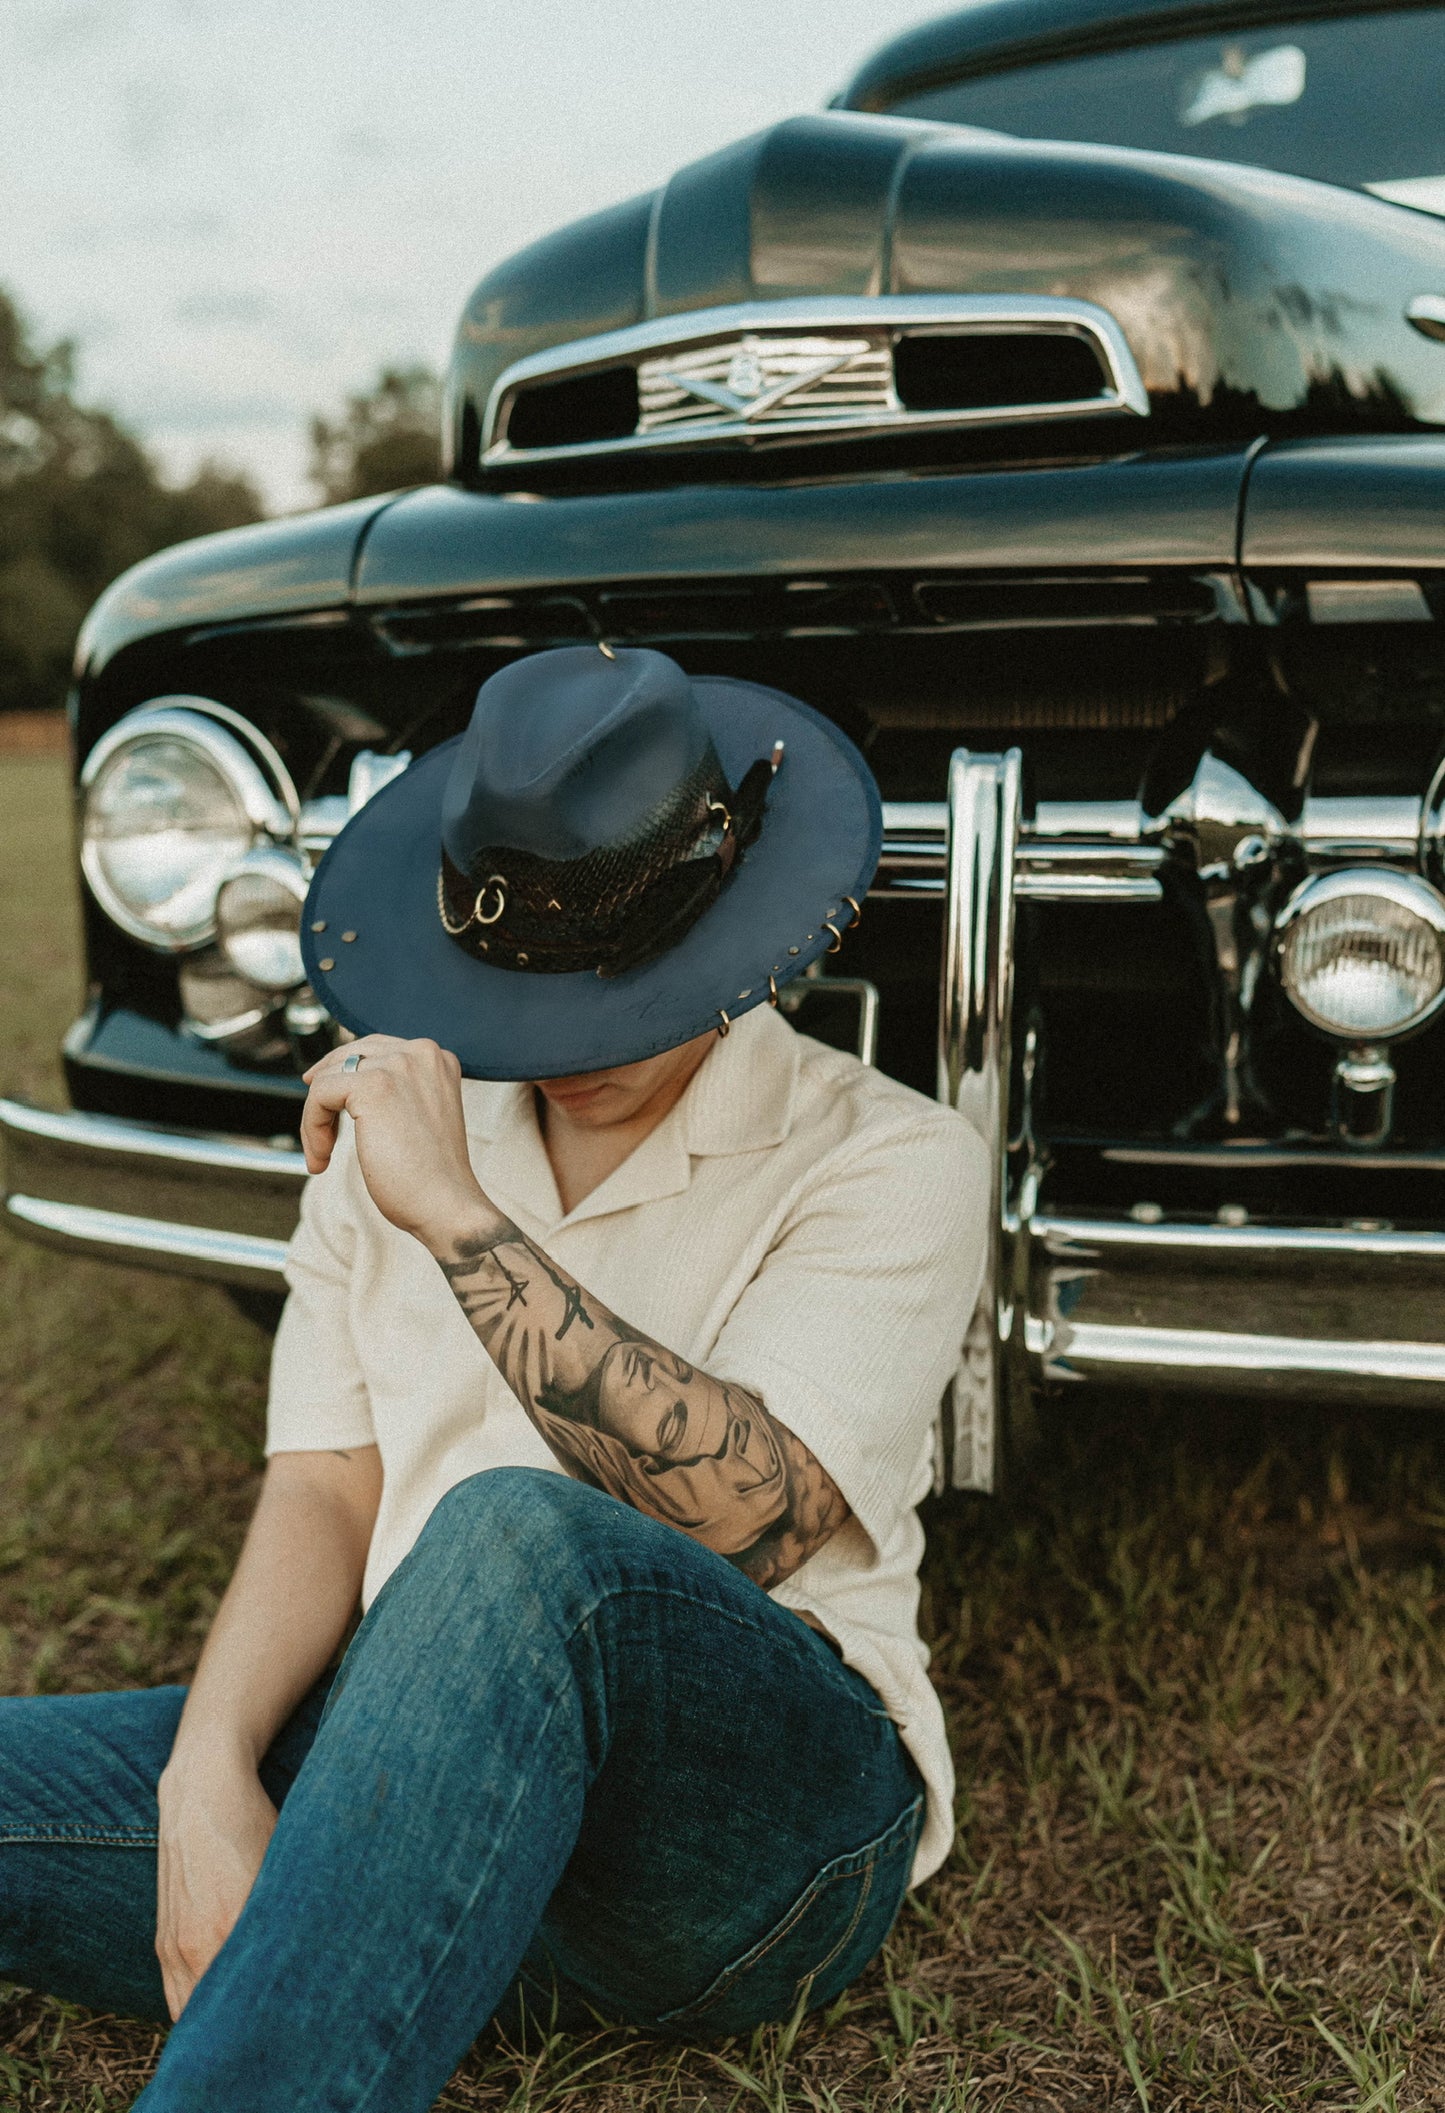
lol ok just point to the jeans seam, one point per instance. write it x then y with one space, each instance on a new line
801 1906
693 2013
408 2023
97 1837
864 1894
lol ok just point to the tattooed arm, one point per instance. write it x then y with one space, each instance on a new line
634 1418
622 1412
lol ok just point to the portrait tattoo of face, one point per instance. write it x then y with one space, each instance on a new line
633 1418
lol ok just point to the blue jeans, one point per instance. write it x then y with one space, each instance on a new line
573 1764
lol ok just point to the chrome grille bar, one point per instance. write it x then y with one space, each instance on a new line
1108 850
1097 864
786 378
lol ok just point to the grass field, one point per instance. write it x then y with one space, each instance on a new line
1193 1666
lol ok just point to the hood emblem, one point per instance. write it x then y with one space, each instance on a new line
746 379
749 378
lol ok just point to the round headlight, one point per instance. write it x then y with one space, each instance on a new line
258 918
1362 952
171 802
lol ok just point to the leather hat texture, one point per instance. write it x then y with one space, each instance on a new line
578 762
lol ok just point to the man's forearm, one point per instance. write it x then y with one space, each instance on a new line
632 1417
287 1607
624 1412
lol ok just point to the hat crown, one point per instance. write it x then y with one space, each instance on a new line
571 750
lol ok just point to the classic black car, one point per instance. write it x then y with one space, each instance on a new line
1097 490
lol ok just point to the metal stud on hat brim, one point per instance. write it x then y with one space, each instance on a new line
818 846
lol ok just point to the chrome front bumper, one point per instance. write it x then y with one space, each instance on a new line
1316 1312
1310 1313
192 1204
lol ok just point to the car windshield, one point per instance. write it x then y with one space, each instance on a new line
1358 100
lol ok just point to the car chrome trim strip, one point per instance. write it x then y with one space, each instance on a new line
204 1206
114 1136
1206 1352
1077 1237
682 338
192 1250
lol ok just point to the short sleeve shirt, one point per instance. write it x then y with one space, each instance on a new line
799 1224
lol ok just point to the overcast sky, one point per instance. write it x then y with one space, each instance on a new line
241 208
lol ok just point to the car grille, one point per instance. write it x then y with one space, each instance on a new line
766 380
811 369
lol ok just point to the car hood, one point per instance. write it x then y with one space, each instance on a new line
1251 301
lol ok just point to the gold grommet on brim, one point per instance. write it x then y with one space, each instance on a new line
725 1030
857 913
319 925
772 991
347 937
837 946
326 966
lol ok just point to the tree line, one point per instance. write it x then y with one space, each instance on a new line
81 499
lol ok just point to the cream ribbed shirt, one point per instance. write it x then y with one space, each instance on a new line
799 1224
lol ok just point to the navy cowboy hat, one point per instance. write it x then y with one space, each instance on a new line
614 858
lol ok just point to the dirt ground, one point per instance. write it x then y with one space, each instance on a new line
1192 1663
32 733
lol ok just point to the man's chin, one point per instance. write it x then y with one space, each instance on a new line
580 1103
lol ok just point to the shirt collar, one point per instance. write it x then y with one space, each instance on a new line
741 1100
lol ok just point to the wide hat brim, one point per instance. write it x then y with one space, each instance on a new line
378 958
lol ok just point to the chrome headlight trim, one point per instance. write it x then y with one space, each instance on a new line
265 797
1404 891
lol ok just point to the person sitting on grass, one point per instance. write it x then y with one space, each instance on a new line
607 1397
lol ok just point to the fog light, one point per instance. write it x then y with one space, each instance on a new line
220 1006
258 918
1363 1102
1362 952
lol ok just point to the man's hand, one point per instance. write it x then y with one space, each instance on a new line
214 1830
405 1099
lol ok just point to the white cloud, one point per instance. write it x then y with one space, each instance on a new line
240 213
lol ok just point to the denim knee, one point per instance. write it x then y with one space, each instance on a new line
531 1533
503 1502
